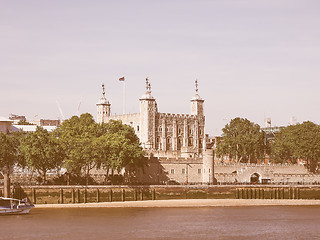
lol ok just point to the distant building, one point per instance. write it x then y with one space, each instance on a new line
17 118
30 128
47 122
5 125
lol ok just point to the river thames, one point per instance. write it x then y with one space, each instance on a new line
262 222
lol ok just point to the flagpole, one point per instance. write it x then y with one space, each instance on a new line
123 94
124 97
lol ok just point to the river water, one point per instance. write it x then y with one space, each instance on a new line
267 222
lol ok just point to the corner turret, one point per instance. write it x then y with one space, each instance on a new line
103 108
197 103
148 111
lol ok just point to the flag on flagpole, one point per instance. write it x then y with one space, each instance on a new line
121 79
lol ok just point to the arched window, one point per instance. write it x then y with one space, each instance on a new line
169 145
190 142
190 131
179 144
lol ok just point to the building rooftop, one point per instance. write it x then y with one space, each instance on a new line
3 119
30 128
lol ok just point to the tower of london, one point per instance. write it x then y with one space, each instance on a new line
173 141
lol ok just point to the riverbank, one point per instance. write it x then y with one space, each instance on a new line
187 203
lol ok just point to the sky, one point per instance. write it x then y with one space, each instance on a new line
253 59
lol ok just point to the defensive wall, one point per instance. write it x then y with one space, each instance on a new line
269 173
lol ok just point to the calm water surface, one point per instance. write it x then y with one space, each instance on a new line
292 222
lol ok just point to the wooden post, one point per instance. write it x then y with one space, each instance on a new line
253 193
110 195
123 195
241 193
78 195
246 193
135 195
293 194
298 193
98 195
282 193
61 196
153 194
237 193
289 193
249 193
141 194
73 196
85 196
34 196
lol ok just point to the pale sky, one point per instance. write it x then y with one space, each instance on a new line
252 58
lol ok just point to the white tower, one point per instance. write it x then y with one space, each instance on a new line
103 108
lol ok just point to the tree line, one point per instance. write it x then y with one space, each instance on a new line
244 141
78 145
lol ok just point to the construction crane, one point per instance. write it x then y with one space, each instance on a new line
60 110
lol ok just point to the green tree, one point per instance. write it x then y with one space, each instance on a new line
41 151
301 141
111 146
76 136
123 146
9 156
242 141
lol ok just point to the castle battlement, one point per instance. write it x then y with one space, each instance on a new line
178 115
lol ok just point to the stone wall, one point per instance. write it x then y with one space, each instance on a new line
271 173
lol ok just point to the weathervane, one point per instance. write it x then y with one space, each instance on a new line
103 91
196 82
148 85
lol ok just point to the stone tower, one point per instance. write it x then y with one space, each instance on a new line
208 167
197 103
148 111
103 108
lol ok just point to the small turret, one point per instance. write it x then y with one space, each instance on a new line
103 107
197 103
